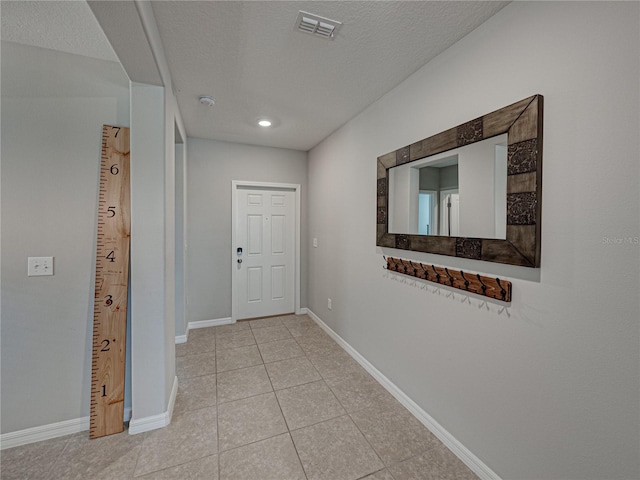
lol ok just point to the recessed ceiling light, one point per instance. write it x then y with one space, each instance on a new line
207 100
264 122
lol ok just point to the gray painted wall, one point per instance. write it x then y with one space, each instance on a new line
152 369
549 387
211 167
53 108
430 178
439 178
449 177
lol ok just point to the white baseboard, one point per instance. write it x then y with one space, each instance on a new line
202 324
303 311
462 452
209 323
172 398
43 432
160 420
47 432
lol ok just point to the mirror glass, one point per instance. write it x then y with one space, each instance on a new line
458 193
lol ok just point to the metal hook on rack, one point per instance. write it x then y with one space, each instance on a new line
395 264
436 272
426 272
484 287
450 277
503 292
466 282
385 266
415 270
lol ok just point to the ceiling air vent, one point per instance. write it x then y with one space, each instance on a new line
317 25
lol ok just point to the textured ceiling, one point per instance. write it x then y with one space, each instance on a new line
249 56
66 26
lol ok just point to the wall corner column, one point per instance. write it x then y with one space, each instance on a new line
149 367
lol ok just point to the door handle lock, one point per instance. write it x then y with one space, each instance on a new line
239 260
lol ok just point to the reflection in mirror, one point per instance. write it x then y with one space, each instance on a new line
458 193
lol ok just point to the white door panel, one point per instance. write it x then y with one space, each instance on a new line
254 234
278 282
265 230
254 284
277 200
278 234
254 199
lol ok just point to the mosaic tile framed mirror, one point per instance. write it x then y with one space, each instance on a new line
473 191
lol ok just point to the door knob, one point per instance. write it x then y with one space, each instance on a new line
239 260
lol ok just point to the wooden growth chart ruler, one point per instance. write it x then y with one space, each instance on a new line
112 274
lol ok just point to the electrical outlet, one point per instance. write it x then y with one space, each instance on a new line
39 266
329 303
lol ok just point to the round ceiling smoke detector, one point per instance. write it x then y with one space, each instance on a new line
207 101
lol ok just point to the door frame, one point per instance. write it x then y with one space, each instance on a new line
435 206
442 206
237 184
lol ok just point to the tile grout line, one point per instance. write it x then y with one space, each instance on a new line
133 473
55 462
304 472
187 412
367 440
172 466
217 421
273 390
348 414
307 356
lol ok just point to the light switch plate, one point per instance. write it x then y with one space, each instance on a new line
39 266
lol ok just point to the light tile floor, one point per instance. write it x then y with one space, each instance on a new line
268 399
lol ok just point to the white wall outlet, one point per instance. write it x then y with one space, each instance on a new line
315 243
39 266
329 303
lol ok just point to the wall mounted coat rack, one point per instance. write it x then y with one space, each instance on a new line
491 287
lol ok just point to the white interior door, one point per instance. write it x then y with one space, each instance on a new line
265 233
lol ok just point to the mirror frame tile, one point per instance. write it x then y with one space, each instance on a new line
522 121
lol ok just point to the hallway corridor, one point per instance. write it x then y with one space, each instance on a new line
267 399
